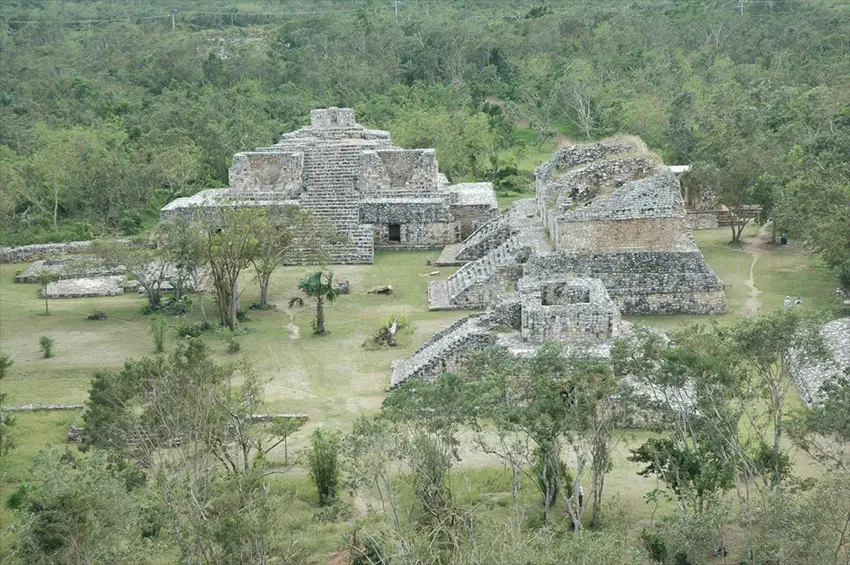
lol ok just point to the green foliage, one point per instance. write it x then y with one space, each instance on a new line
46 344
158 326
324 462
46 277
188 328
76 510
6 421
318 285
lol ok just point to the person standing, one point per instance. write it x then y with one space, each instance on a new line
787 303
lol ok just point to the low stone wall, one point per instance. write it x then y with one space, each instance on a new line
26 253
702 220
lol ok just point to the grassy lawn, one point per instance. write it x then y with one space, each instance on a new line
333 378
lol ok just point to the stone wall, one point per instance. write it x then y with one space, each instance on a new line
398 173
445 351
27 253
645 282
810 375
596 236
702 220
566 310
275 172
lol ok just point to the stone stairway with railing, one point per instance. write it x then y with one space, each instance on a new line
444 351
476 284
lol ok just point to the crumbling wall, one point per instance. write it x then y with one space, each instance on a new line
398 173
267 171
644 282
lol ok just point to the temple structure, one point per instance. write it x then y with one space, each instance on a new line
376 195
609 211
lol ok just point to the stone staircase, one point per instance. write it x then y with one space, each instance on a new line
330 190
444 351
475 284
488 236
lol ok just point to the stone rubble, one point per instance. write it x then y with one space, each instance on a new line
810 375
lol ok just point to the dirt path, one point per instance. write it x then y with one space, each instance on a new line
757 247
294 331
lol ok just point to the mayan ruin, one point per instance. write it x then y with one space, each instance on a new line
607 210
374 194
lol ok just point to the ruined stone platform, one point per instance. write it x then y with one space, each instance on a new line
810 375
84 287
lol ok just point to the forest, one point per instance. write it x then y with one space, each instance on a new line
110 110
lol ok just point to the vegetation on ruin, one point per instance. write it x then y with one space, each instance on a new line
107 112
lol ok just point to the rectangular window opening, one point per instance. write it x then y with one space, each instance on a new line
395 232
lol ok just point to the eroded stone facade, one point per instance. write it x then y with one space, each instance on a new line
608 210
574 311
376 195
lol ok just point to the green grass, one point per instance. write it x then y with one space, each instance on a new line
332 378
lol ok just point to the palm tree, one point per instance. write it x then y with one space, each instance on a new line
320 286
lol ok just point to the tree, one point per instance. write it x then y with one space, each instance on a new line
77 510
323 461
320 286
763 346
141 260
181 244
46 277
203 443
230 243
285 233
6 421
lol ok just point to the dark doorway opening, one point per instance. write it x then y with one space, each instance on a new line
395 232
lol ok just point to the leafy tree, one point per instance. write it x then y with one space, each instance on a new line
76 510
46 343
181 419
46 277
141 260
318 285
230 243
287 232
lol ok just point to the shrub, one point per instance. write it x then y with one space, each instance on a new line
323 460
97 315
383 336
46 344
655 545
158 325
231 338
190 329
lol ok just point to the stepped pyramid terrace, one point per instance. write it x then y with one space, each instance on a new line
609 211
374 194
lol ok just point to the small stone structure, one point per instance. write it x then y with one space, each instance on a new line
575 311
809 375
85 287
608 210
376 195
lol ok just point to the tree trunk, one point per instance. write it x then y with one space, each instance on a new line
264 290
233 306
320 315
55 205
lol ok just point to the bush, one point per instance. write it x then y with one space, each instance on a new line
190 329
323 460
231 338
655 545
382 334
97 315
158 325
46 344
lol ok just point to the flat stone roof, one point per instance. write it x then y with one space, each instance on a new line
474 194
